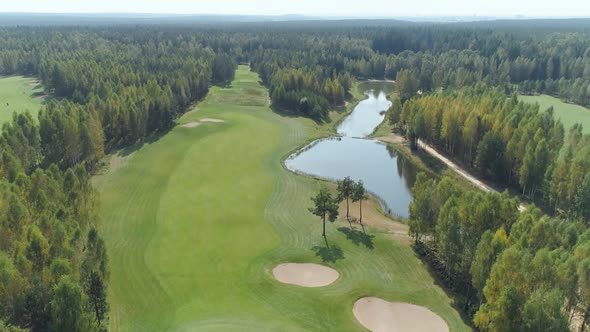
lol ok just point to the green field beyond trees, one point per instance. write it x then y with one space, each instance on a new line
195 221
569 114
19 94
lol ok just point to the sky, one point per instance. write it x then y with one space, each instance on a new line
381 8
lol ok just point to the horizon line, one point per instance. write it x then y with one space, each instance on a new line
315 15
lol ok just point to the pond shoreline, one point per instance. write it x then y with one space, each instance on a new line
353 152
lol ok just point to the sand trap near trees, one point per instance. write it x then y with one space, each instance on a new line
193 124
379 315
305 274
211 120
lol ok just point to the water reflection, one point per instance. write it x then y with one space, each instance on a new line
405 168
385 173
366 116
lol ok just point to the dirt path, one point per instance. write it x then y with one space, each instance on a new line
478 183
393 138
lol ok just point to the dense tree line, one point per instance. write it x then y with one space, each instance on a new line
111 88
509 142
298 63
135 81
307 68
53 263
305 74
447 224
538 60
513 271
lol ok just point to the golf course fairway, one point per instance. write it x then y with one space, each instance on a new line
19 94
196 220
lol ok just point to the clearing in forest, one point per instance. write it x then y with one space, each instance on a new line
19 94
196 221
569 114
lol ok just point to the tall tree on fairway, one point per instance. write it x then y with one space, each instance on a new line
345 192
324 205
359 193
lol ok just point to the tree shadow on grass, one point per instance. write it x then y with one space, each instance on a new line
224 84
131 148
293 114
357 237
431 161
458 300
328 254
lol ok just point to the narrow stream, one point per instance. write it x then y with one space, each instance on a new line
386 174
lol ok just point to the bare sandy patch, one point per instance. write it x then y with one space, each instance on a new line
211 120
191 124
379 315
392 138
383 81
373 218
305 274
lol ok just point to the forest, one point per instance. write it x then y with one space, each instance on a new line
508 142
114 86
54 265
513 271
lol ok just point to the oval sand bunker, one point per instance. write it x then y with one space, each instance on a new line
211 120
191 124
305 274
379 315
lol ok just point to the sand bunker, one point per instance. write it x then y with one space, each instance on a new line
305 274
191 124
379 315
211 120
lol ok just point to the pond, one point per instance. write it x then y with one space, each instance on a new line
386 174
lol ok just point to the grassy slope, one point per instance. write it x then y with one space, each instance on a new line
569 114
195 221
18 92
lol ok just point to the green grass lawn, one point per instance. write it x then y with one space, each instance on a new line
19 94
195 221
569 114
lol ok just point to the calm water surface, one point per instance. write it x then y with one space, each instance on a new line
387 175
366 116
